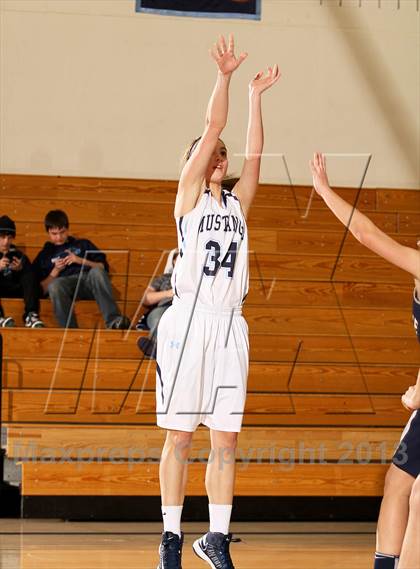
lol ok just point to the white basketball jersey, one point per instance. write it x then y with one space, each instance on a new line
212 265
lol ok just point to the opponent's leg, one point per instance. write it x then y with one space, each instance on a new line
393 517
410 553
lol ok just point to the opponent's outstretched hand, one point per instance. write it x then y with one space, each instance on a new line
410 399
261 82
319 173
224 55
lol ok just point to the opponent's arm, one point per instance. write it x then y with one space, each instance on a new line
247 184
411 398
193 173
363 229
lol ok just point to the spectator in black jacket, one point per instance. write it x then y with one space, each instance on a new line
17 279
69 268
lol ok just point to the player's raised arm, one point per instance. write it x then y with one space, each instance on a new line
247 184
361 226
193 173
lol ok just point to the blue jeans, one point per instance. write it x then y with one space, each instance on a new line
91 285
153 318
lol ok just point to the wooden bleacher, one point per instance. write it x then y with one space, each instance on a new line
332 347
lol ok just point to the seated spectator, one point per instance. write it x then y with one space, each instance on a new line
69 269
157 298
17 279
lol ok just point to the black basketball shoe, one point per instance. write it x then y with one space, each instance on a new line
214 549
170 551
148 346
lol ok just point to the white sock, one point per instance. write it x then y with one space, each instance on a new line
220 518
171 516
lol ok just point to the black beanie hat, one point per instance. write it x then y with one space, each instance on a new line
7 225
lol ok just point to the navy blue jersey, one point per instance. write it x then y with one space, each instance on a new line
416 314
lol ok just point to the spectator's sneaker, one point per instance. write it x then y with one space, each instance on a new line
170 551
32 320
121 323
148 347
142 323
214 549
6 322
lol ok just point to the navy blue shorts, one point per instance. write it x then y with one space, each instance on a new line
407 455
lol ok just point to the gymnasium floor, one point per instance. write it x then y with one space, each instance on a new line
50 544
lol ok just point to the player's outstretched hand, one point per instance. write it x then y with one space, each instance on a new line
411 399
261 82
224 55
319 173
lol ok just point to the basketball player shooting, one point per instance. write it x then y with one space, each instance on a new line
202 345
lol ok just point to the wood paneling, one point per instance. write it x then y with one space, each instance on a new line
115 344
261 319
104 479
119 408
397 200
116 189
152 213
254 444
41 373
330 353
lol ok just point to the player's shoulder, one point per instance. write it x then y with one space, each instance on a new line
230 192
194 210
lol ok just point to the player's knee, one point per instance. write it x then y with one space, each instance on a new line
179 440
178 445
225 441
415 497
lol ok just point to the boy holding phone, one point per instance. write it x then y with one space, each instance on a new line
70 269
17 279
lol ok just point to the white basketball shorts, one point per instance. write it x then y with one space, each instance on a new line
202 368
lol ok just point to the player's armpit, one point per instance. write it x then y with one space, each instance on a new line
186 199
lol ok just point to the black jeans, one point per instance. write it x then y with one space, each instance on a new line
21 284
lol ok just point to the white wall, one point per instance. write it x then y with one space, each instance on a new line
89 87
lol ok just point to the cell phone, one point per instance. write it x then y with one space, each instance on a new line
62 255
66 253
11 255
